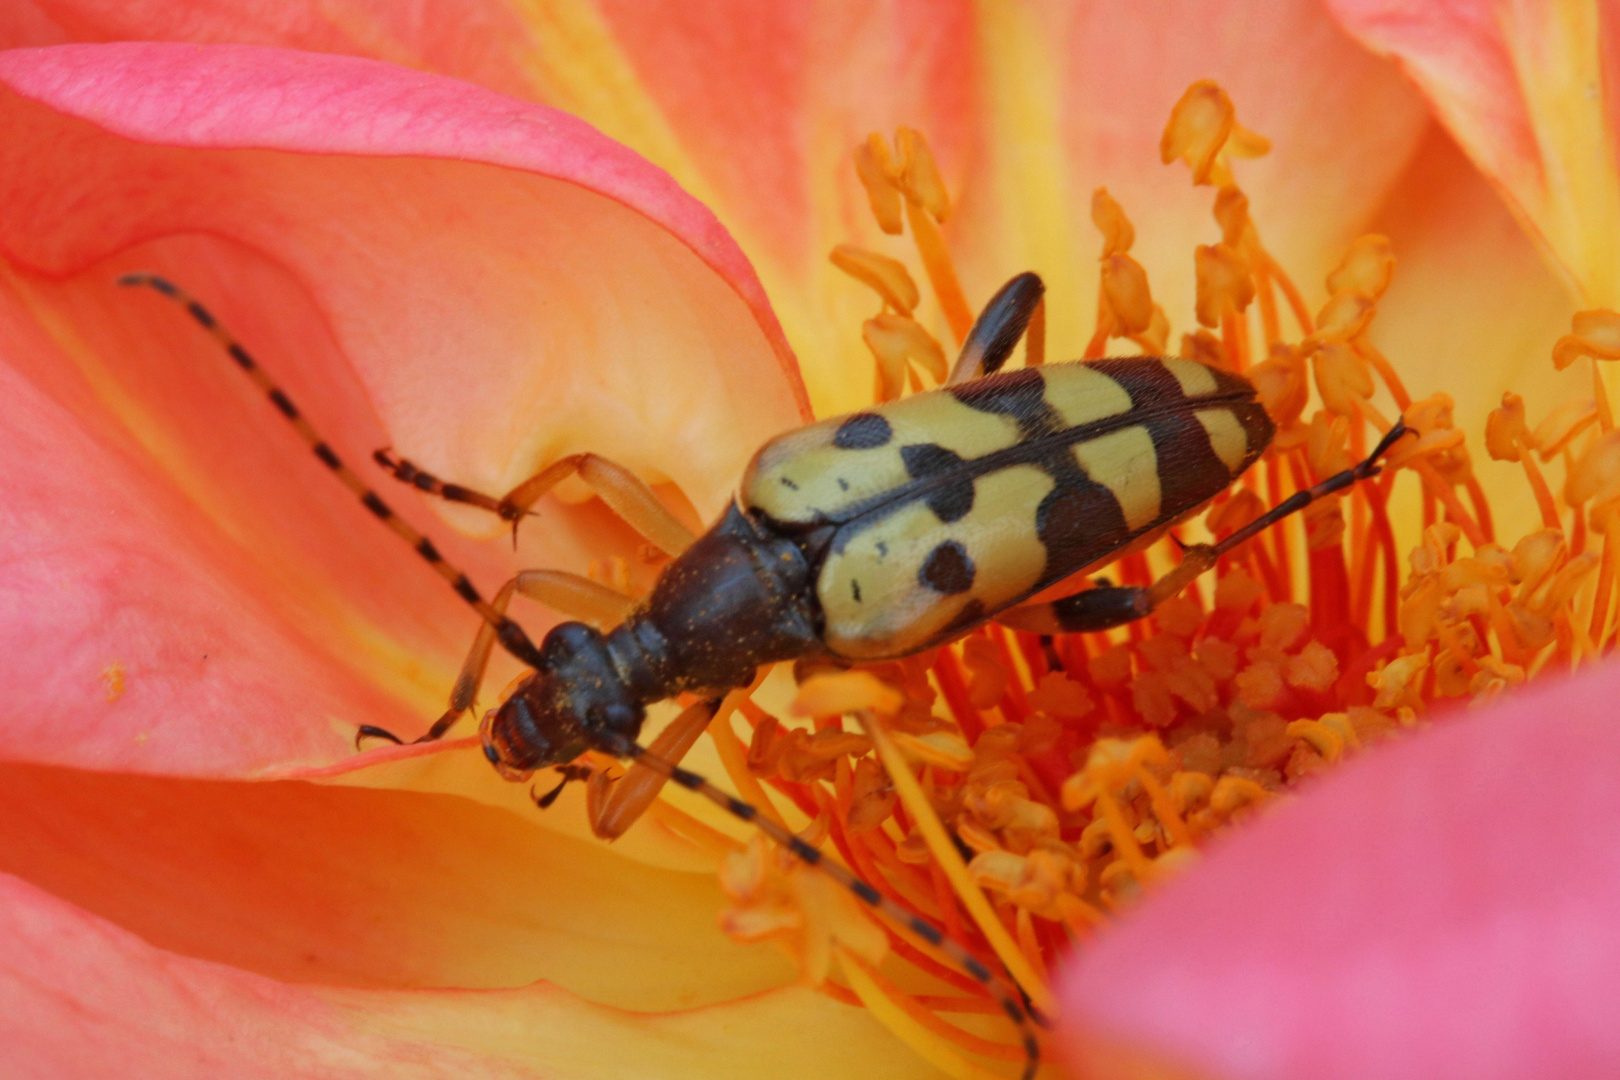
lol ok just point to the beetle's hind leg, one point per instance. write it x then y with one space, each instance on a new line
625 492
1108 606
1017 306
568 594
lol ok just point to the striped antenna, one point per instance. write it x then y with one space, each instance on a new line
510 633
1010 1004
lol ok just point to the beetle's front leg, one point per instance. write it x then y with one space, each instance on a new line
569 594
612 806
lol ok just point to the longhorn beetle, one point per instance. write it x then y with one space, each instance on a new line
863 537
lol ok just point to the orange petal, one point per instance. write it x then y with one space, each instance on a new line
87 998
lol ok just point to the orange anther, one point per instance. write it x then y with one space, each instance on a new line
1321 738
1315 668
1398 681
895 340
1058 695
1198 129
1534 557
1203 347
1342 318
919 175
1232 793
888 276
1283 625
1560 426
1230 516
1281 385
1325 444
1155 340
880 189
1505 429
1342 379
1125 292
1366 268
1224 285
1597 472
1111 667
1237 591
1109 217
1596 334
1260 685
1150 695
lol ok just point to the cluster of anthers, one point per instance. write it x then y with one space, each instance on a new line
1018 790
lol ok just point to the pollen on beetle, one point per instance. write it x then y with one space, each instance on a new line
1019 791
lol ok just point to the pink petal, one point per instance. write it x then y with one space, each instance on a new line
187 591
85 999
1443 907
734 98
756 107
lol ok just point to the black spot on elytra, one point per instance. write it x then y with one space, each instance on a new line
855 590
948 569
1078 522
863 431
950 493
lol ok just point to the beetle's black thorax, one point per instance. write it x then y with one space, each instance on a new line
742 595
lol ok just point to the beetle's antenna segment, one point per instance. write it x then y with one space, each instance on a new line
1299 500
1005 996
510 633
1200 557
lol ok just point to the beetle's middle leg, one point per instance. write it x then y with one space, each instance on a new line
568 594
624 492
1108 606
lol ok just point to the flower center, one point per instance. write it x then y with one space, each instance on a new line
1020 790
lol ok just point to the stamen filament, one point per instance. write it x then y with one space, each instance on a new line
1270 325
1296 300
921 1035
950 861
936 260
734 756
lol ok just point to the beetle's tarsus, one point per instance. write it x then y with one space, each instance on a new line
371 731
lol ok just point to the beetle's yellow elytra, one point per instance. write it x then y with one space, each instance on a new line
939 510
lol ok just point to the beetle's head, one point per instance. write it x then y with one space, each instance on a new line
575 701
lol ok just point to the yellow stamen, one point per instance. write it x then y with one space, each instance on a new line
912 1029
941 271
734 756
950 861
